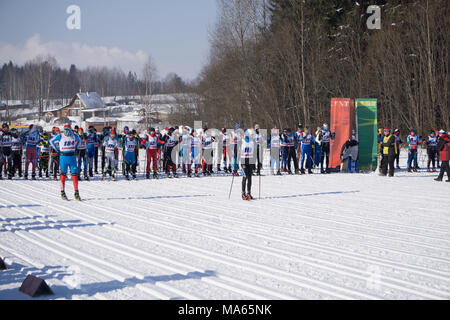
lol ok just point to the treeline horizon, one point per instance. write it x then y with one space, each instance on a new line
43 78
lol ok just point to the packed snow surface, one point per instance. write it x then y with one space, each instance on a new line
320 236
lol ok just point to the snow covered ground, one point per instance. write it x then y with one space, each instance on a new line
337 236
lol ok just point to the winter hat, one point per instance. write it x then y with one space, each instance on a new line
442 132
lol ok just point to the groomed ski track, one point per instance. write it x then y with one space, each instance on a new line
337 236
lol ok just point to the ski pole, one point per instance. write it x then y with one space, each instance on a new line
259 189
231 187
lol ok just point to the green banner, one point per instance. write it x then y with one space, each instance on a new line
367 130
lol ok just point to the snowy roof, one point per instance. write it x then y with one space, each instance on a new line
91 100
99 119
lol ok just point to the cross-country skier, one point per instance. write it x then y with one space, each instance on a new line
105 133
54 155
257 139
317 147
432 150
97 146
111 147
306 142
325 137
248 165
185 148
6 151
413 144
82 154
291 156
152 146
226 152
196 153
130 144
399 142
284 150
235 140
67 145
298 144
444 155
17 149
32 140
273 142
44 155
91 145
122 139
207 145
389 145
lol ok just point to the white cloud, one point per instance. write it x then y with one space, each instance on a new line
80 54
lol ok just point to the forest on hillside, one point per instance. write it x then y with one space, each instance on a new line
279 62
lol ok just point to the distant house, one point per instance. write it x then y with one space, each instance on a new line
84 105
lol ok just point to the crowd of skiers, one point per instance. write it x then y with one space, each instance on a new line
191 151
438 151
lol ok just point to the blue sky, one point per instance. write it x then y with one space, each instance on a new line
115 32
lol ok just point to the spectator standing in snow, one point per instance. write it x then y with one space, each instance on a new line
444 155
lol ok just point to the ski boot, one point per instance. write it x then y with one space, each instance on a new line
302 171
63 195
310 171
33 177
438 179
155 175
86 177
147 176
415 169
175 175
296 171
278 173
40 174
104 177
113 177
409 169
289 172
249 196
134 177
196 175
244 196
77 196
225 170
218 168
434 170
127 177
